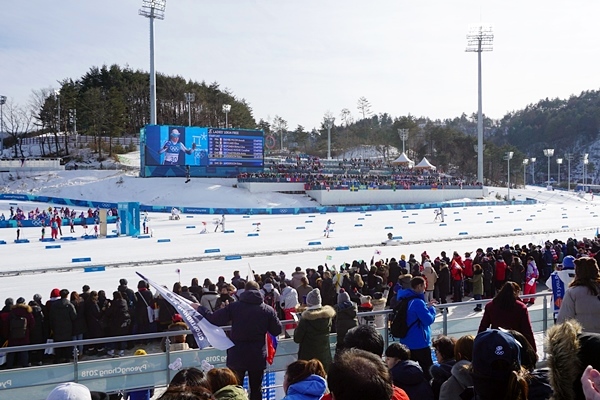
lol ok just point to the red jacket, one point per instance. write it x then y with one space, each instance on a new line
500 270
468 267
456 271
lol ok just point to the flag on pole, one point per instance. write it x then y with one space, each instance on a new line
250 277
205 333
328 258
271 347
377 252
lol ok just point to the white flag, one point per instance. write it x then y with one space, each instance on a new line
205 333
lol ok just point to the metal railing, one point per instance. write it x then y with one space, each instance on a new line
152 370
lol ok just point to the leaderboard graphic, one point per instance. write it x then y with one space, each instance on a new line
198 151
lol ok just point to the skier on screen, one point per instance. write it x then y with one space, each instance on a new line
173 147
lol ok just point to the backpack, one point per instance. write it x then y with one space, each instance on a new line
270 299
399 327
18 327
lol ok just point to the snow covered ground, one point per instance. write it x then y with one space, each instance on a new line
281 244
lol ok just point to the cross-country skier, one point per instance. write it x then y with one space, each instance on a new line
328 227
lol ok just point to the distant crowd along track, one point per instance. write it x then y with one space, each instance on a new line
268 253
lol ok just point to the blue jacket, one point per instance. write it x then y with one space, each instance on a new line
311 388
419 334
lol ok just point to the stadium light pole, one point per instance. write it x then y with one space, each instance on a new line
403 133
508 156
2 102
57 94
559 162
549 153
329 124
525 162
569 157
226 109
479 39
190 98
532 159
73 114
153 9
585 164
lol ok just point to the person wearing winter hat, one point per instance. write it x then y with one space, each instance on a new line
140 394
346 311
178 342
312 332
496 367
21 336
431 278
75 391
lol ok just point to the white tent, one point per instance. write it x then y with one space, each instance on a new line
425 164
402 160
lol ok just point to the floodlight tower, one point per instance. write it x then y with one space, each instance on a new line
525 162
569 157
586 161
559 162
189 98
533 159
2 103
508 156
328 122
549 153
403 133
479 39
226 109
153 9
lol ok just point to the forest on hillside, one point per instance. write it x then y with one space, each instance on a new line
112 101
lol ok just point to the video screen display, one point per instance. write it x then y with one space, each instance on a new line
205 147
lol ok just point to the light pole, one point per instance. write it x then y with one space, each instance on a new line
2 102
532 159
226 109
329 124
559 161
549 153
585 163
525 162
153 9
57 93
189 98
403 133
508 156
73 113
479 39
569 157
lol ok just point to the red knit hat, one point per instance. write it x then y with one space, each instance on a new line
55 292
177 318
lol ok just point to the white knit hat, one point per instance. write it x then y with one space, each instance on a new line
70 391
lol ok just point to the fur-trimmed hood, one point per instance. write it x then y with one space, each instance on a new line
562 345
323 312
25 307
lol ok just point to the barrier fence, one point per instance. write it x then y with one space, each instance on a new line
152 371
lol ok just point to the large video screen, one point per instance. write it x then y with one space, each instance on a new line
203 147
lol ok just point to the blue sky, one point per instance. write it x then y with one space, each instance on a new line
301 59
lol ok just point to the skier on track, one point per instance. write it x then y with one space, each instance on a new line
328 227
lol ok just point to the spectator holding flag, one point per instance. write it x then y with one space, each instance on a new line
250 319
559 280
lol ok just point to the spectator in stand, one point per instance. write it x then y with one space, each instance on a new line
94 321
79 324
442 370
496 367
176 342
75 391
118 320
456 270
250 320
188 384
531 276
304 380
224 384
477 285
210 297
420 315
38 333
346 311
312 332
407 374
468 273
62 315
297 276
186 294
20 323
507 311
488 265
288 302
431 278
538 380
460 378
144 299
517 271
358 375
581 300
500 273
444 282
303 290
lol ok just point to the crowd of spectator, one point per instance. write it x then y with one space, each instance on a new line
330 300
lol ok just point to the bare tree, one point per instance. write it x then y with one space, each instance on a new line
18 121
280 125
346 117
364 107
